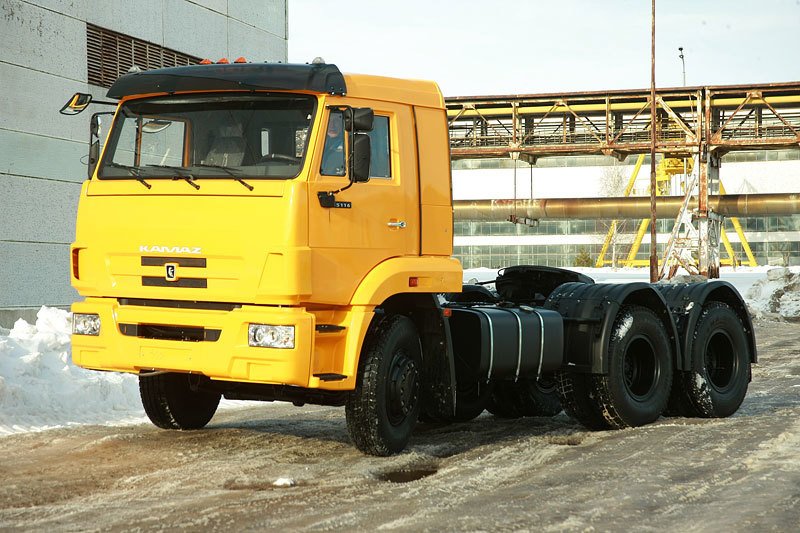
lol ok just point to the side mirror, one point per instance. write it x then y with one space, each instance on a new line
359 161
361 120
77 103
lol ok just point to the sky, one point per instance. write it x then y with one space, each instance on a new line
474 47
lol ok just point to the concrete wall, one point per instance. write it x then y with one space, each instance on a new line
42 62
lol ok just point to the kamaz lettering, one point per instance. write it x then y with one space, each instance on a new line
169 249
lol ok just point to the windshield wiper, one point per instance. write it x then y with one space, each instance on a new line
185 174
134 171
228 171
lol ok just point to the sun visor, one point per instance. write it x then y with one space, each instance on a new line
318 78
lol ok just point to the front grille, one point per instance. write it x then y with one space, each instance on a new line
194 283
170 333
195 262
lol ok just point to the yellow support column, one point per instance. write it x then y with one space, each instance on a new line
751 259
637 242
613 229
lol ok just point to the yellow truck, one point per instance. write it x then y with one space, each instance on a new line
284 232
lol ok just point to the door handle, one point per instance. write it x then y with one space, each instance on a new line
398 224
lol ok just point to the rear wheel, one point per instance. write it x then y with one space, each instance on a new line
636 389
526 397
177 401
720 375
383 408
503 403
471 400
578 399
539 397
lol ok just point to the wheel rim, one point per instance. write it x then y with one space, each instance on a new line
546 385
641 370
720 361
403 388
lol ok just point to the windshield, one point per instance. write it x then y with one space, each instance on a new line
243 136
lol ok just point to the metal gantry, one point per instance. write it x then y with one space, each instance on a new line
690 122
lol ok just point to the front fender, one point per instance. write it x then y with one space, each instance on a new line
403 275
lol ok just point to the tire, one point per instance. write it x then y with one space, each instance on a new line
383 409
503 402
637 387
176 401
720 375
471 400
526 397
578 400
538 397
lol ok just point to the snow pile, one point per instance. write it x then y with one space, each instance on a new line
776 296
41 388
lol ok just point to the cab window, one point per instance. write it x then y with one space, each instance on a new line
380 160
333 156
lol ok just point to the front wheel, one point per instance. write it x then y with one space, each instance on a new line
177 401
383 409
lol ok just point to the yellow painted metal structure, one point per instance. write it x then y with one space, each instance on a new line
737 227
270 255
612 231
667 168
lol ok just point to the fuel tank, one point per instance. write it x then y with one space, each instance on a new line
507 342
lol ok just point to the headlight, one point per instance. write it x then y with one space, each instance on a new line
271 336
85 324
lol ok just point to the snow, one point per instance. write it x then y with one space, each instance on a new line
40 388
624 327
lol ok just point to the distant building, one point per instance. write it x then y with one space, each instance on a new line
773 239
50 50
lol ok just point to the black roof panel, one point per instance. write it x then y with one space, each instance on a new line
318 77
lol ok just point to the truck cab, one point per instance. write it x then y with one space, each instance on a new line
284 232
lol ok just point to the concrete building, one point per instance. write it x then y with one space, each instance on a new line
50 49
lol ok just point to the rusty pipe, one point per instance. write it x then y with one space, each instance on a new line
729 205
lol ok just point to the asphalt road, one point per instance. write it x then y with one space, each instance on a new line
543 474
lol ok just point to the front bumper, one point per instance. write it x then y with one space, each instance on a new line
222 351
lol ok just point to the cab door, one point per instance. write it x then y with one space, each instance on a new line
373 221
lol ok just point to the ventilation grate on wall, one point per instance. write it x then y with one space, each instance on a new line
110 54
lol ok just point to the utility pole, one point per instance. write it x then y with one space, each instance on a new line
683 68
653 127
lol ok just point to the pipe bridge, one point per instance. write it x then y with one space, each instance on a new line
688 120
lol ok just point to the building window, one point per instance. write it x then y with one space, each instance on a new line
109 55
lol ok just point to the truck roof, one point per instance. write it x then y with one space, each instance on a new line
416 92
319 78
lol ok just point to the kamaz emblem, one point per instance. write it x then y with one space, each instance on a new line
171 272
169 249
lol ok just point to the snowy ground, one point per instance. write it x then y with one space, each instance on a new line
40 388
